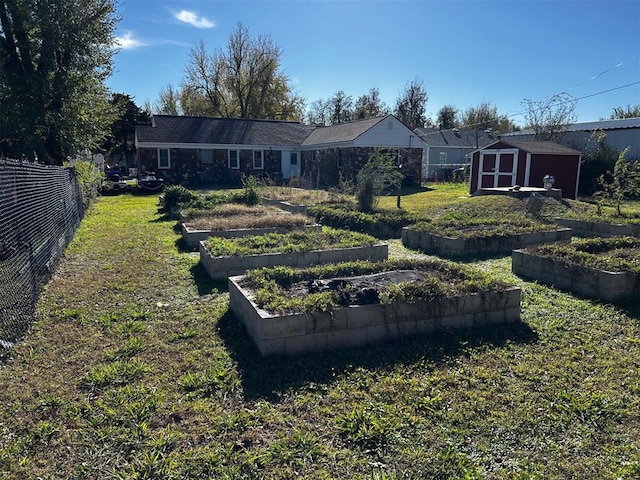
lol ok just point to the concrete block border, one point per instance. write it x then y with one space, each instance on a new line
584 228
458 247
193 236
586 281
360 325
289 207
223 267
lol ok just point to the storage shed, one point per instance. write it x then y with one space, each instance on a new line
507 163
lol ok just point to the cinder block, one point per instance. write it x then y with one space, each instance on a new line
270 347
284 326
347 338
364 316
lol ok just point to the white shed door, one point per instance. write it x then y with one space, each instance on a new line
498 168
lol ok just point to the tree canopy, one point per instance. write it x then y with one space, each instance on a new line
120 143
631 111
411 105
54 58
243 80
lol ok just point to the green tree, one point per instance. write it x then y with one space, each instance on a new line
619 113
447 117
411 105
341 106
380 172
120 144
54 58
370 105
624 182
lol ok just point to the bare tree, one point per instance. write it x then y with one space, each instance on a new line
411 105
319 112
242 80
550 118
168 102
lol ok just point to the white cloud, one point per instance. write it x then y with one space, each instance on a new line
127 42
192 18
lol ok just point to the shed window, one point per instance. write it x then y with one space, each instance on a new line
443 157
258 164
234 159
164 158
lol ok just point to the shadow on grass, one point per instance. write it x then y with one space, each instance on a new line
206 285
268 377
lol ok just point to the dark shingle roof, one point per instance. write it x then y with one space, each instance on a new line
469 138
222 131
537 147
341 132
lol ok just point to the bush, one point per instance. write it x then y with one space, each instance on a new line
176 197
89 178
379 224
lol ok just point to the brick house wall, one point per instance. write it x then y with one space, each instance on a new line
326 167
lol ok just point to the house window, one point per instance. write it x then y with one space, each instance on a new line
294 158
443 157
164 158
258 164
234 159
206 156
339 158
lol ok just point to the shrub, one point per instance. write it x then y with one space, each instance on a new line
89 179
385 224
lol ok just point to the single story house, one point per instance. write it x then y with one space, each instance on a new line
619 134
507 163
222 150
447 150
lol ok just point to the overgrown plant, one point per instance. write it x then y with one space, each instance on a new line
89 179
624 182
252 194
378 173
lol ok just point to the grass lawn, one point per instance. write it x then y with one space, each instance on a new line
135 368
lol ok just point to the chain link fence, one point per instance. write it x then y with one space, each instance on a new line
40 209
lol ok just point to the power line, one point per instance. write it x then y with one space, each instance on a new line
560 103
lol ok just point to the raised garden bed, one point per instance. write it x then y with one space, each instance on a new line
222 258
606 269
593 228
193 237
349 305
285 205
480 240
234 220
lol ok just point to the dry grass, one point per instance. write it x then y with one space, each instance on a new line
216 223
233 216
300 196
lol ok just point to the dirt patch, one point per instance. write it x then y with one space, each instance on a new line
360 290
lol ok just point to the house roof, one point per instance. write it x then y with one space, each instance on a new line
589 126
172 129
538 147
341 132
469 138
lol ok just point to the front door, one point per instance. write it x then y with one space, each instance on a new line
290 165
498 168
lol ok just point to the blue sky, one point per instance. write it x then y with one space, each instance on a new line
465 52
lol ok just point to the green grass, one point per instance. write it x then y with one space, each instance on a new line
135 368
295 241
